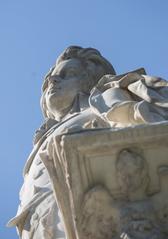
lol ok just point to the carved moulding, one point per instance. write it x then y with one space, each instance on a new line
111 183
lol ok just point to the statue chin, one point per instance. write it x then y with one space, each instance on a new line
58 106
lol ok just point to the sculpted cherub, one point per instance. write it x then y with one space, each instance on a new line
64 103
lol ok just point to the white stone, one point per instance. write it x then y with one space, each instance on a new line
99 165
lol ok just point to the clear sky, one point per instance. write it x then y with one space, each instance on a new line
129 33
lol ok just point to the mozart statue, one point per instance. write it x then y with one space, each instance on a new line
82 92
64 104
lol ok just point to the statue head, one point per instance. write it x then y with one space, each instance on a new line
77 70
132 170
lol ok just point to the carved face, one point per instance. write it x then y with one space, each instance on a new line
64 84
132 171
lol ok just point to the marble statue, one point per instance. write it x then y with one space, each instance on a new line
65 105
98 168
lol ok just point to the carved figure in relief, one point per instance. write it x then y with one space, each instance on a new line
132 172
103 217
97 219
139 220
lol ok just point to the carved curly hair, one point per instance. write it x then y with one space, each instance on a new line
95 64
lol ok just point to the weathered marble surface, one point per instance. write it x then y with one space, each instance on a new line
116 181
99 164
131 99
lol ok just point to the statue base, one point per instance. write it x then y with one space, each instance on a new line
111 183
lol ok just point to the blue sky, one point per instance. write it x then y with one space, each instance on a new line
129 33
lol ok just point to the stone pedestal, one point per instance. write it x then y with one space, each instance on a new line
114 182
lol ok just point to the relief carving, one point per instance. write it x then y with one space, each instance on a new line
97 218
132 172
